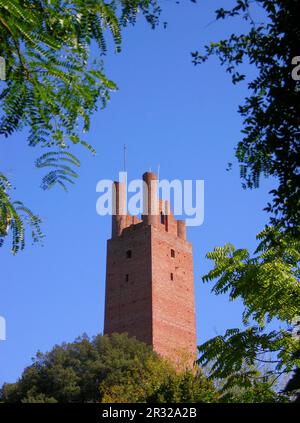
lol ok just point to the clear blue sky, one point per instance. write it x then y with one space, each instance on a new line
169 113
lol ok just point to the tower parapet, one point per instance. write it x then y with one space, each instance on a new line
150 199
119 218
181 229
156 212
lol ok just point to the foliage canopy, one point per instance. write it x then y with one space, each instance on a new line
271 113
268 282
106 369
54 84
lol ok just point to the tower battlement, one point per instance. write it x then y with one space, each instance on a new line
156 212
149 277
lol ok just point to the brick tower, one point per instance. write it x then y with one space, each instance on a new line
149 277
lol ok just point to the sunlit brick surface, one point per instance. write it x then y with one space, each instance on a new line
149 293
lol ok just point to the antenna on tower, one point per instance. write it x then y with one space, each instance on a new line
158 169
125 154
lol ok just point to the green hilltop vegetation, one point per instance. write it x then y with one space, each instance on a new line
119 369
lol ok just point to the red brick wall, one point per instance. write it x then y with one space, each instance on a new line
173 310
128 305
147 303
